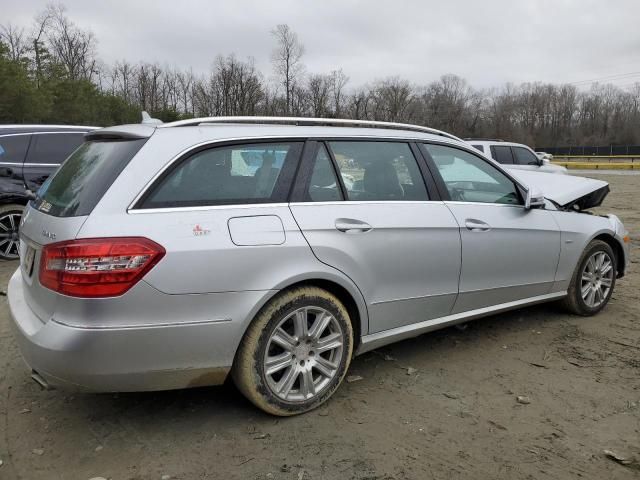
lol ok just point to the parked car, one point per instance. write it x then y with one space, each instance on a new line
515 156
544 156
28 155
154 259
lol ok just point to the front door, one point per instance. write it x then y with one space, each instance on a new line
508 253
375 222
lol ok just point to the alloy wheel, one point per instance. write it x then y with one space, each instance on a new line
303 354
10 235
596 279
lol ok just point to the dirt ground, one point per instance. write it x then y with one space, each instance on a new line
456 416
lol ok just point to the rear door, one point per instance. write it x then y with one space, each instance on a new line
46 153
364 208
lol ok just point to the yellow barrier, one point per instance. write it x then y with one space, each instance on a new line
599 166
597 156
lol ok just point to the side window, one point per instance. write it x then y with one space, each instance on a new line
479 147
14 148
53 147
323 186
379 171
238 174
471 179
502 154
524 156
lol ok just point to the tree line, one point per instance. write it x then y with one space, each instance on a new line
50 72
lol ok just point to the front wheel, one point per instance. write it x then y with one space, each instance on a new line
593 281
295 353
10 217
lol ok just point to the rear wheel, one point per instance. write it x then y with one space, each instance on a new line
10 216
593 281
295 353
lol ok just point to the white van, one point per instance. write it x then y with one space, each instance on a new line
514 155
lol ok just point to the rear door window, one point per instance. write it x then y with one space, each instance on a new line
524 156
13 148
238 174
379 171
53 148
502 154
323 185
77 186
479 147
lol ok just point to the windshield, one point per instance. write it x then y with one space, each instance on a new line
76 188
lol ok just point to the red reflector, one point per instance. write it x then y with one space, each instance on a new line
97 267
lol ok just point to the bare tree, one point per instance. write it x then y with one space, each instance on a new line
41 24
287 61
318 87
72 47
392 99
15 40
186 81
338 82
234 87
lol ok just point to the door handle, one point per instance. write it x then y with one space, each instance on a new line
476 225
349 225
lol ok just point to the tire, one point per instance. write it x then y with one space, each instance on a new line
286 369
10 217
592 276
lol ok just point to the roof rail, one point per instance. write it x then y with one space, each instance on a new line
483 140
302 121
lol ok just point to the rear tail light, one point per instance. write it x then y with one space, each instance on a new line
97 267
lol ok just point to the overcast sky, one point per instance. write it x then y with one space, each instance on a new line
487 42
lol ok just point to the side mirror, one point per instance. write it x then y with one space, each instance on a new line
533 199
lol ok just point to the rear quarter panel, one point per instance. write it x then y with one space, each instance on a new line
201 255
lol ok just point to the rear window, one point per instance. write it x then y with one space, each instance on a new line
13 148
76 188
502 154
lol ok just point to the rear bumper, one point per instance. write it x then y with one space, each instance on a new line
131 358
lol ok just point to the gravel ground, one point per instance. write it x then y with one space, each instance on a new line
444 405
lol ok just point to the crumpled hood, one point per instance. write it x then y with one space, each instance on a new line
566 190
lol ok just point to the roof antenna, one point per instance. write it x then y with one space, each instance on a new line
148 120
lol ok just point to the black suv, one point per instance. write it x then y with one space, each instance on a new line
28 155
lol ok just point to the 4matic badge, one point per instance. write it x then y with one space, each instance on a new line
198 231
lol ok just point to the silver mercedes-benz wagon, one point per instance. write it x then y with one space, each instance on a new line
273 250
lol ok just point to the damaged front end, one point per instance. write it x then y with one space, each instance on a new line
567 192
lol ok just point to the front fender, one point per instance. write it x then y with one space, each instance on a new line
577 230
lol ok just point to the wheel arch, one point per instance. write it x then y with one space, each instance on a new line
347 292
617 248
